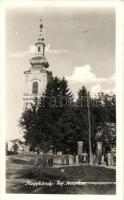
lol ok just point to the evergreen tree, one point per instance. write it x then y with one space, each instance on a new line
40 120
55 119
82 113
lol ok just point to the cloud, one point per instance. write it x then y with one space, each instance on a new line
83 74
48 49
96 88
113 77
110 91
31 50
18 54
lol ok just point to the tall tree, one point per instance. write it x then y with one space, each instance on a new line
82 113
40 120
56 119
105 119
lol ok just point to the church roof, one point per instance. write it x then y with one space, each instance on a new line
39 61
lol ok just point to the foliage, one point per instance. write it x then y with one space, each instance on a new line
40 120
56 119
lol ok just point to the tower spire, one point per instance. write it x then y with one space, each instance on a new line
37 77
41 31
40 50
39 60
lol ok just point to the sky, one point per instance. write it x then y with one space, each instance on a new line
80 45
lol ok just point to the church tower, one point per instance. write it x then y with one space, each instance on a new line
37 77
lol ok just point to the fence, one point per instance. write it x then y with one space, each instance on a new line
38 160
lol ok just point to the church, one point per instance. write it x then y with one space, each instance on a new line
37 77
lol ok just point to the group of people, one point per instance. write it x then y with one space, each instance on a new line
97 159
108 158
49 159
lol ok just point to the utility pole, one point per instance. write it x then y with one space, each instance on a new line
89 128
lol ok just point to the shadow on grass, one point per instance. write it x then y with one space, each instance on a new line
75 173
23 162
72 174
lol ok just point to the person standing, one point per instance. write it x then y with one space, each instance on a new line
62 159
67 159
94 159
106 159
109 158
74 160
50 159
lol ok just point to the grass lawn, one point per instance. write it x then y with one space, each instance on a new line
22 178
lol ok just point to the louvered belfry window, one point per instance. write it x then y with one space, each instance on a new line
35 88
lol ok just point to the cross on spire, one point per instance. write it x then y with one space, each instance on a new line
41 24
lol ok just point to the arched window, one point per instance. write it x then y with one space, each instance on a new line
35 88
